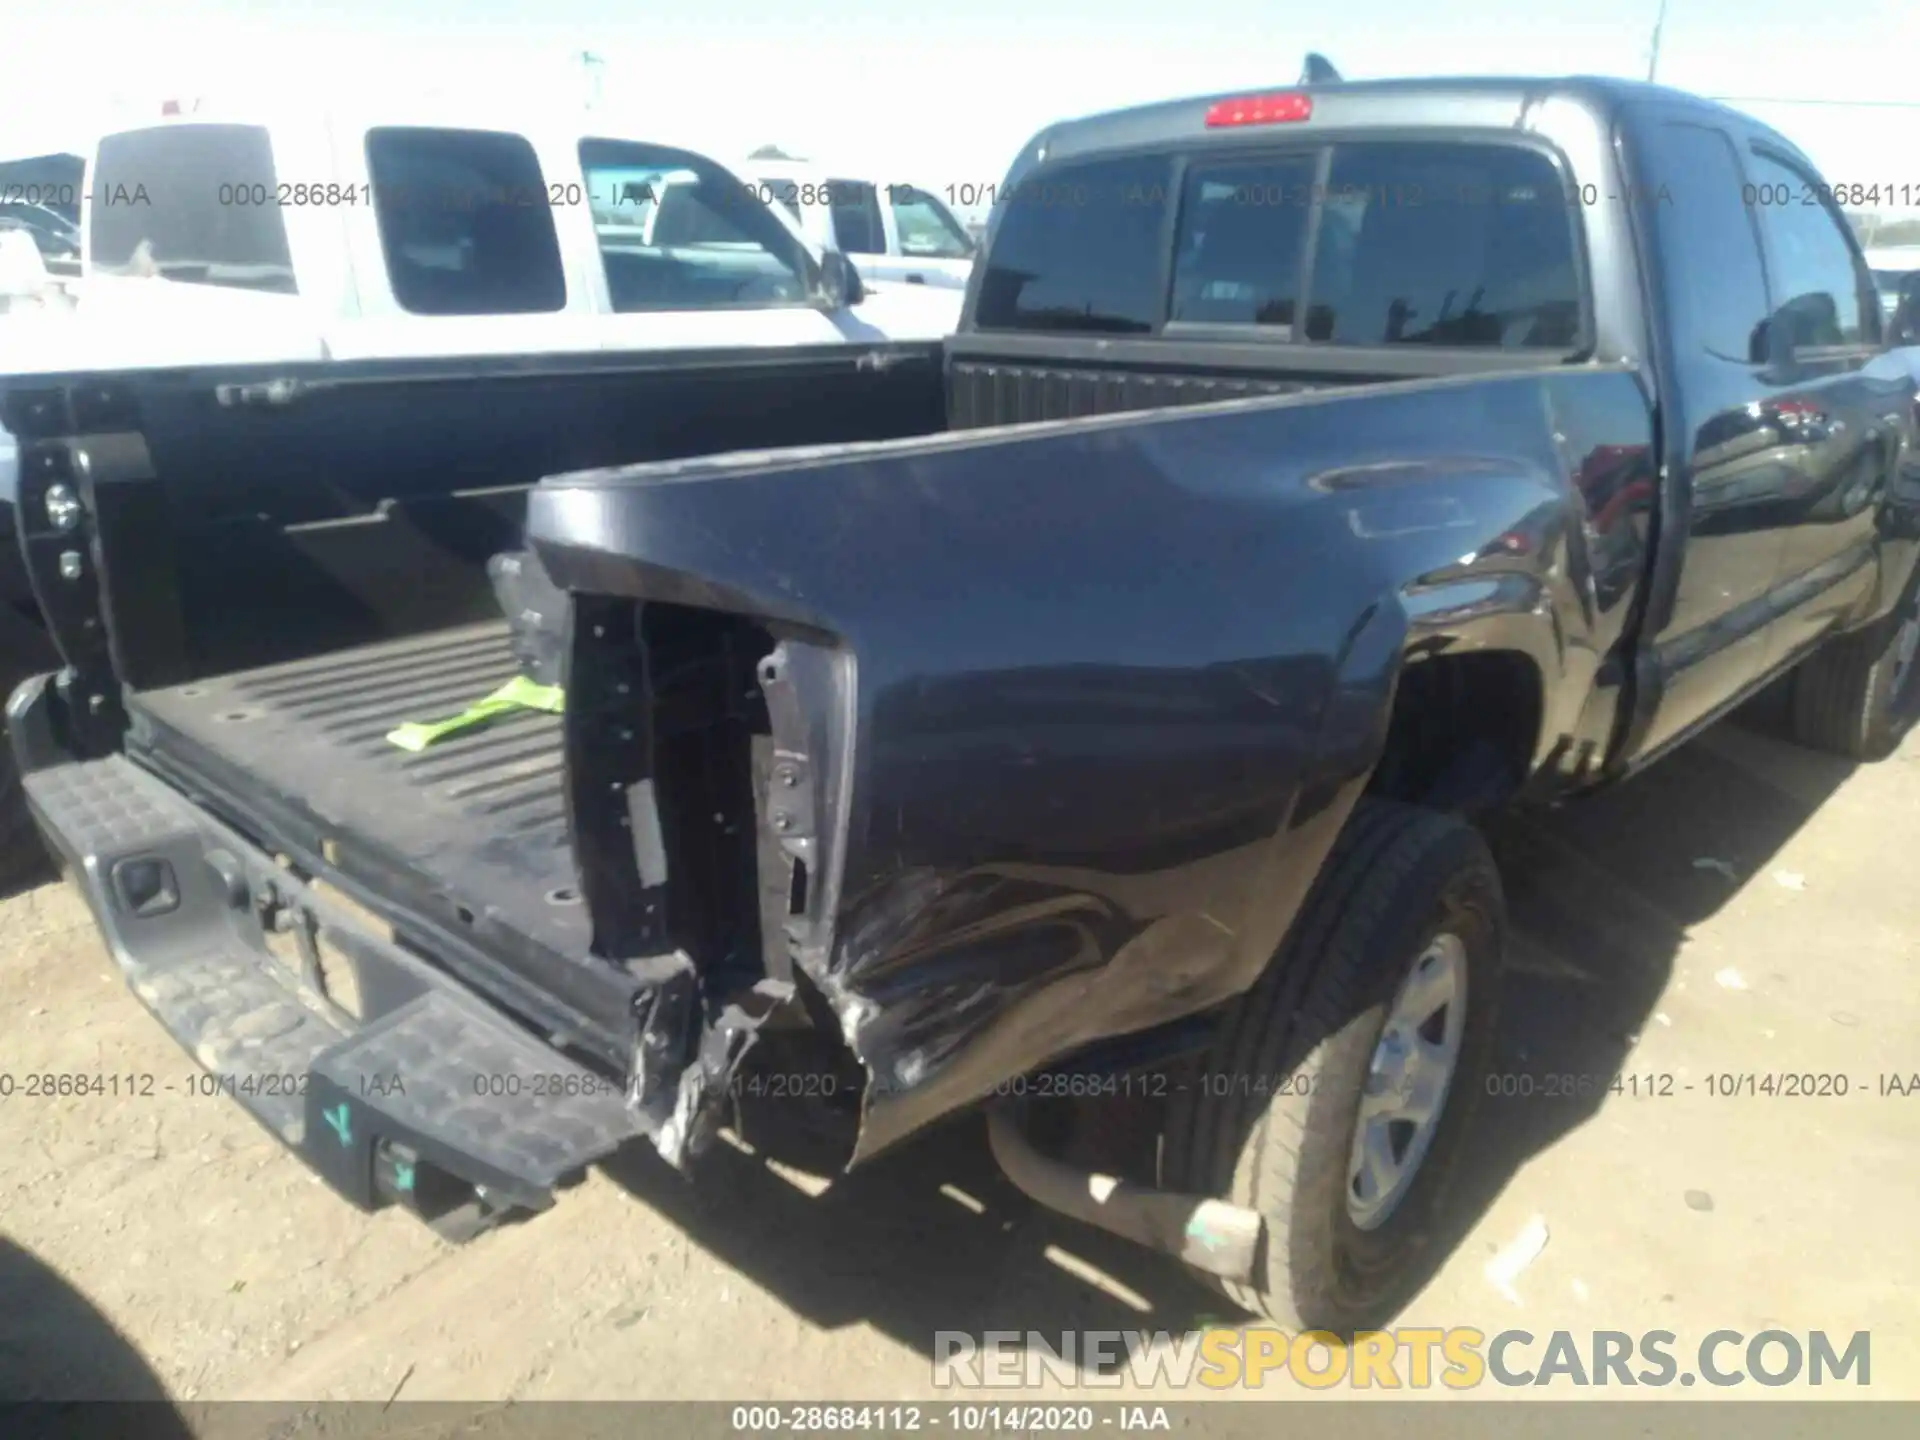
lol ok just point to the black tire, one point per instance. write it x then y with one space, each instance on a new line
1272 1120
1854 697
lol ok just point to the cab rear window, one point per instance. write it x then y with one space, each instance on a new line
1078 250
190 203
1456 245
1243 235
1459 245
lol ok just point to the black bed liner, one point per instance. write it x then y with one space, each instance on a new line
479 817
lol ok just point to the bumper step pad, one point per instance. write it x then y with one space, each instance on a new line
466 1094
429 1099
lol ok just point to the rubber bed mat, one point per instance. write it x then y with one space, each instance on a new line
480 816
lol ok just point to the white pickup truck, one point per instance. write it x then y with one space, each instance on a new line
893 233
436 230
423 243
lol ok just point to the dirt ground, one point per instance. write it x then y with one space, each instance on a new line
167 1243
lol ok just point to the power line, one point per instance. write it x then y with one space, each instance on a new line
592 66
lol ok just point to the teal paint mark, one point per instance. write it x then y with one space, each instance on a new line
341 1122
402 1176
1198 1229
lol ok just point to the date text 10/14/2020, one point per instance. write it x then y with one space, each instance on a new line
1042 1085
1501 1085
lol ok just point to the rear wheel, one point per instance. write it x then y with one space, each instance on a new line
1857 696
1339 1088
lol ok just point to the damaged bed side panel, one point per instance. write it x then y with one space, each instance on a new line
1065 718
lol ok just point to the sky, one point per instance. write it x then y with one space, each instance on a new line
944 95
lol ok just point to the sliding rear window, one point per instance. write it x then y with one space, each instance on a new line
1453 244
1243 236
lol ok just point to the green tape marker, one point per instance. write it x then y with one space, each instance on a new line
518 693
340 1122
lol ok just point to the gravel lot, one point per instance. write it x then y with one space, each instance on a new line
166 1243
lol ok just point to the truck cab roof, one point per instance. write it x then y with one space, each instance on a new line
1470 102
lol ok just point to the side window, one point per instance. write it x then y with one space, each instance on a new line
1818 286
677 232
1078 249
1243 235
1704 233
464 222
926 227
192 203
857 228
1445 244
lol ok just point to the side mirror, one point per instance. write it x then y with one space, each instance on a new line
840 284
1771 344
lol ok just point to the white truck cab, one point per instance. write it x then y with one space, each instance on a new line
896 233
427 229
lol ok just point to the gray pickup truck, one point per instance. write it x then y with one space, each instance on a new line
1097 705
25 649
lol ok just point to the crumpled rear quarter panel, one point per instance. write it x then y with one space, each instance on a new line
1118 682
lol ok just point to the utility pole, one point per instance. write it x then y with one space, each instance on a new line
1653 53
592 66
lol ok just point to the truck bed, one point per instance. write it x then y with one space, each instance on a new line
478 817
